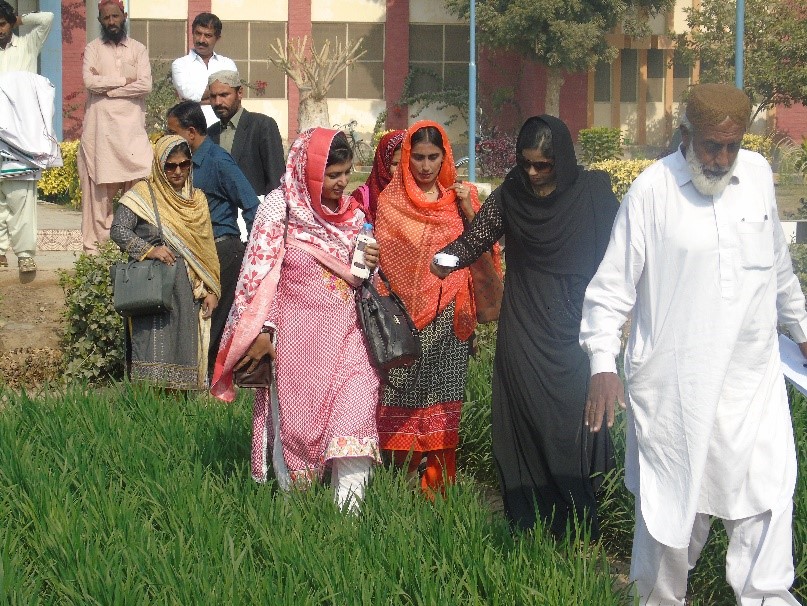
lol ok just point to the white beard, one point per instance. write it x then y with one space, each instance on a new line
708 186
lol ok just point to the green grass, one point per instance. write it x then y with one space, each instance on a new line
129 496
788 197
707 584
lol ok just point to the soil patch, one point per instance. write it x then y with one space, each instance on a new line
30 328
30 313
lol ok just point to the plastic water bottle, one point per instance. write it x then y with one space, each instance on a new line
357 266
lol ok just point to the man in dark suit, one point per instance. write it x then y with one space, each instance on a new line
252 139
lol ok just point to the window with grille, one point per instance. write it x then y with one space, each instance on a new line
365 78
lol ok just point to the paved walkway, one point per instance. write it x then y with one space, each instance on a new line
58 238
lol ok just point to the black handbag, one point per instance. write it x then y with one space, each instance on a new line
391 337
142 288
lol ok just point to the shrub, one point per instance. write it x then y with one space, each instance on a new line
760 144
496 156
92 345
800 158
600 143
162 97
61 185
622 173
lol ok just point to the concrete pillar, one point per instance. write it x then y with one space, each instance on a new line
396 61
194 8
299 26
51 59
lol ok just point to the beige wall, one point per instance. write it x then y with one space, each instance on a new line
364 111
362 11
148 9
456 130
250 10
275 108
429 11
680 17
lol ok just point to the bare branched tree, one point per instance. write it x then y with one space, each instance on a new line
313 72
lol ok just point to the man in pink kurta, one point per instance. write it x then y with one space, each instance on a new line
115 150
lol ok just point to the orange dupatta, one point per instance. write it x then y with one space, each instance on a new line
410 229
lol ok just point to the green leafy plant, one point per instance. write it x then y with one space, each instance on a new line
455 100
761 144
93 349
163 96
475 451
600 143
800 159
774 68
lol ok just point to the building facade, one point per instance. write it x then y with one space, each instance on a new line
411 47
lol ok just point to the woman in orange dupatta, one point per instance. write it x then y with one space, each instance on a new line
419 212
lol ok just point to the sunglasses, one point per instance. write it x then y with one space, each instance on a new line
539 167
172 166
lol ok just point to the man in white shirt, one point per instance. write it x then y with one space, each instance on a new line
18 195
698 256
190 73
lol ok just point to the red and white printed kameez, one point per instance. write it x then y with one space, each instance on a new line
327 391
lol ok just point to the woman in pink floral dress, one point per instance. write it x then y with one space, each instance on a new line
295 285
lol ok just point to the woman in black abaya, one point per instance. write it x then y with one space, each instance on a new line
557 220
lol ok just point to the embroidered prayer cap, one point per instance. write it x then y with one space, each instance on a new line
118 3
710 104
225 76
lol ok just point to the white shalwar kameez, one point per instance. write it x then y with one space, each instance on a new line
709 430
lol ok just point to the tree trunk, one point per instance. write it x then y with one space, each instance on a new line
312 113
552 100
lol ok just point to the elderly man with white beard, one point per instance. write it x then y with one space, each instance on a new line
698 256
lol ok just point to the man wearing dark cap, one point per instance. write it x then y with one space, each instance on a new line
698 258
252 139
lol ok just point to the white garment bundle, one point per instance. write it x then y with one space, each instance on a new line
26 119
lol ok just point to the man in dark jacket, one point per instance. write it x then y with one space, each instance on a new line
252 139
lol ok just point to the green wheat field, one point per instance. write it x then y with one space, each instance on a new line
129 496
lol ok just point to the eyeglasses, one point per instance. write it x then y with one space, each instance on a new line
539 167
172 166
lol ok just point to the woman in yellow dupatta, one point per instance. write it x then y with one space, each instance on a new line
170 348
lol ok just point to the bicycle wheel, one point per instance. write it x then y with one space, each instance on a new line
362 153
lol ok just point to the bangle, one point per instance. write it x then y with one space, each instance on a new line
267 330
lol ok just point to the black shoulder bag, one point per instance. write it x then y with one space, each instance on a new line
144 288
391 337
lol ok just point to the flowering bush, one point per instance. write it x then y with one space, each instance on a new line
622 173
61 184
377 135
760 144
495 157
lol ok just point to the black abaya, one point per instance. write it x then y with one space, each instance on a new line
544 455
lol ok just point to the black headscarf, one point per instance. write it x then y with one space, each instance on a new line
560 229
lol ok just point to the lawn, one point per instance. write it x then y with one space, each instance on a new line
789 193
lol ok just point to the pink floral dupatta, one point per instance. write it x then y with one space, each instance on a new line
327 236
